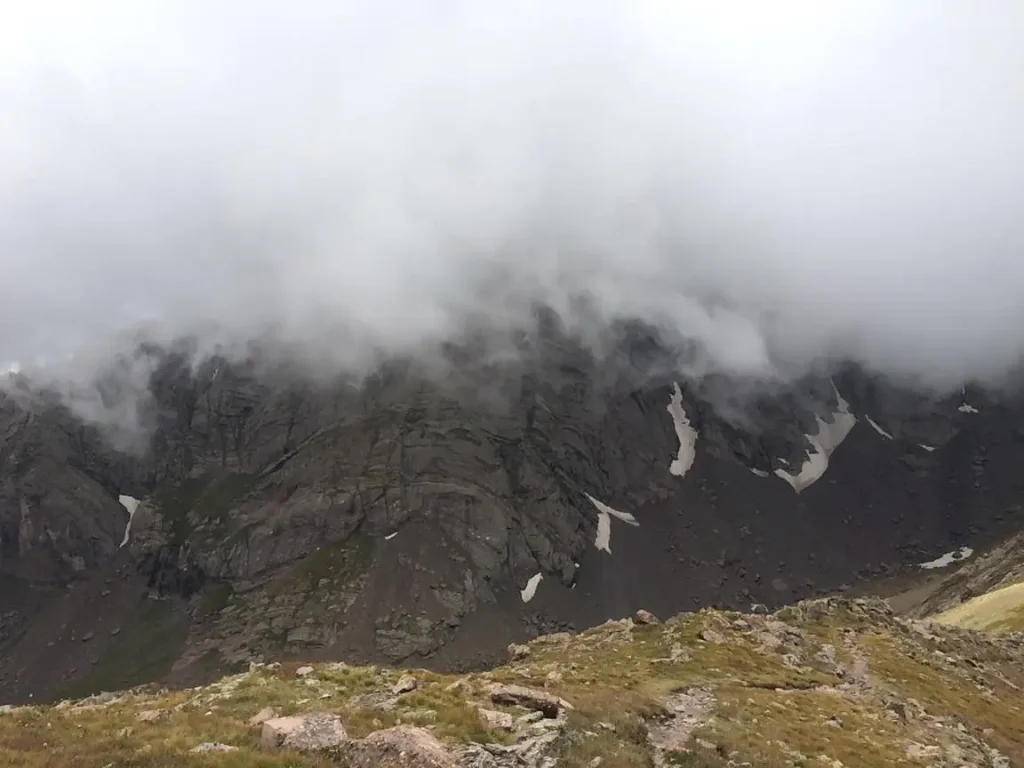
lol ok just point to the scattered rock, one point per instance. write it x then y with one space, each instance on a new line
305 733
88 636
711 636
530 698
687 712
399 747
461 685
212 746
405 684
304 671
151 715
518 652
267 713
645 617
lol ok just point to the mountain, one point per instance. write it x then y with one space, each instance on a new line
431 514
832 682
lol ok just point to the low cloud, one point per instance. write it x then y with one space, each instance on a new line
781 183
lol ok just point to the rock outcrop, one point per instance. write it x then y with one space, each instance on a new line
836 682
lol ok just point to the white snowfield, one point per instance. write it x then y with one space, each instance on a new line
131 504
827 439
956 556
687 435
530 589
604 523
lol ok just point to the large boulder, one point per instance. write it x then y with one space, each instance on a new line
304 733
399 747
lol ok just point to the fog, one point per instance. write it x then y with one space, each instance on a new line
780 182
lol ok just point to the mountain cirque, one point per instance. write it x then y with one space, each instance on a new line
428 519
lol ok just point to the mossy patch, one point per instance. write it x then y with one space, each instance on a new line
199 508
337 563
213 599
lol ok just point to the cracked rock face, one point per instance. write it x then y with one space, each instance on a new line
434 516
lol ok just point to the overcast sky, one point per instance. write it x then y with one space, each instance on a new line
845 177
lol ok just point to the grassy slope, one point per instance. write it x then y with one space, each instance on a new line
827 691
999 611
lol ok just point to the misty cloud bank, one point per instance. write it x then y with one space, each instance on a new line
783 182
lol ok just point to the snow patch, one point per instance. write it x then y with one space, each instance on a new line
949 558
530 589
827 439
131 504
928 448
878 429
968 408
759 472
390 536
604 523
687 435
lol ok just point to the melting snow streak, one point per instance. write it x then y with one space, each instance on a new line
878 429
604 523
131 504
687 435
827 439
530 589
949 558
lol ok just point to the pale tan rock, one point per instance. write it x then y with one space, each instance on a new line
400 747
267 713
495 720
304 733
405 684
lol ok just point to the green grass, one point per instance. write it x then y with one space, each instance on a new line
999 611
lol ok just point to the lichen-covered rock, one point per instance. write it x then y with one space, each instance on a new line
304 733
399 747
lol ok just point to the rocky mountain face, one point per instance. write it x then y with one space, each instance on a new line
433 516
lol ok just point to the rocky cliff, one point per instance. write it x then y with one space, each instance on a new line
435 514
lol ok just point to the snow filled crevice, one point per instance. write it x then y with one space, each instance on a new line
131 504
878 429
828 437
687 435
966 407
604 523
950 558
530 589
